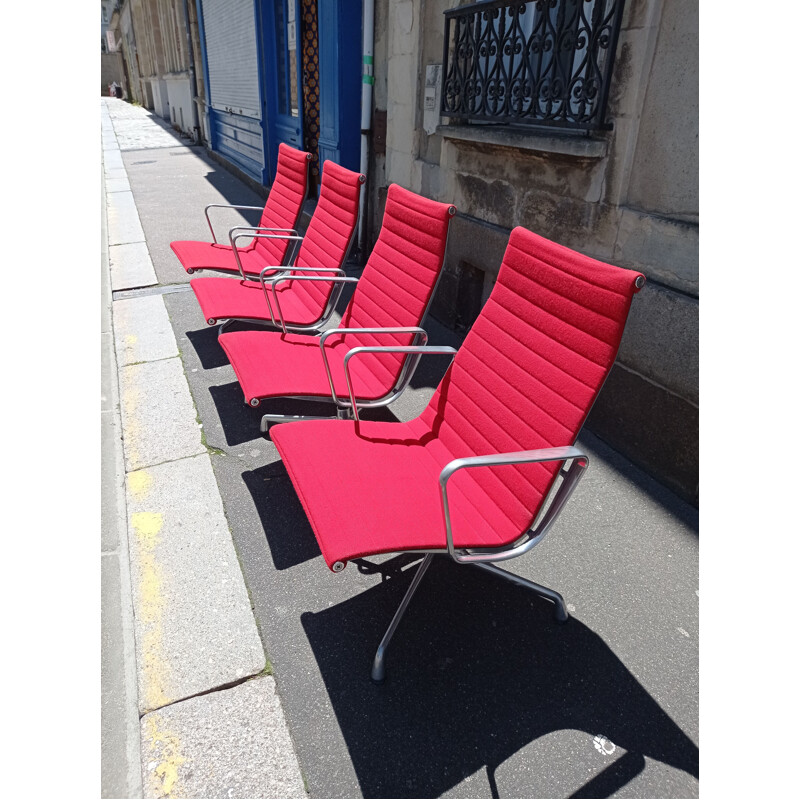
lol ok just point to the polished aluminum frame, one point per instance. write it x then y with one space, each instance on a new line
330 306
348 409
481 557
345 409
484 558
265 279
247 233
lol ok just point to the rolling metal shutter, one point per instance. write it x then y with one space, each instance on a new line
230 34
232 58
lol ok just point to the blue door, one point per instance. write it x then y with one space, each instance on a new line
340 82
311 49
281 78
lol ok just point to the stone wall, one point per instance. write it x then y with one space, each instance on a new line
180 102
628 196
110 70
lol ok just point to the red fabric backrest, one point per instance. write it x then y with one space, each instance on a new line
531 367
399 278
284 203
329 233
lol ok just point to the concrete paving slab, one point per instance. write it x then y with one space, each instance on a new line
131 266
172 187
123 219
118 185
116 174
142 330
158 416
195 629
232 743
112 159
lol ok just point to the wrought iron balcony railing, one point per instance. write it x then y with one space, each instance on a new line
547 62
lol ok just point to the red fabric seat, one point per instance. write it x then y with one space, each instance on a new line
282 210
394 291
525 378
325 244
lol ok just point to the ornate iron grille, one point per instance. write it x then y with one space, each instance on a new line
547 62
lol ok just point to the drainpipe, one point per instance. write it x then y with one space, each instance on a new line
192 77
367 80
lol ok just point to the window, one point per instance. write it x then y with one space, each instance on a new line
547 62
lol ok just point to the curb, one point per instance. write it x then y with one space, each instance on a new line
198 660
120 748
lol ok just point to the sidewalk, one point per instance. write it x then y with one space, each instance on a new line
211 723
485 694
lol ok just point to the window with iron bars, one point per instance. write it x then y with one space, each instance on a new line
542 63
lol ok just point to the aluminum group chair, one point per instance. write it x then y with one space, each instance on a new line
471 476
305 305
271 238
387 307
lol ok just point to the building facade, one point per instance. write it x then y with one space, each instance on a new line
625 192
575 118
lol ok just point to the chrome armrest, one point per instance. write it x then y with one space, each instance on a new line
245 235
405 377
284 278
281 273
225 205
264 277
572 475
419 332
288 232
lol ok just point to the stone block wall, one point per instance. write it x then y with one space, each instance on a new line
628 196
110 70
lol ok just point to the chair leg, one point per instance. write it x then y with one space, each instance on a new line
378 665
276 419
549 594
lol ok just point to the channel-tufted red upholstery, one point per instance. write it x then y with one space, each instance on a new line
325 244
525 378
282 210
394 291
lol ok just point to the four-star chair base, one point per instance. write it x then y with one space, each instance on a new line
378 672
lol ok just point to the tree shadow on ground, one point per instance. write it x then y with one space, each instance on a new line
478 670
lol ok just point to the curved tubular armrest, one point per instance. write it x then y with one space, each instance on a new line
405 377
283 270
580 462
284 278
281 273
252 232
419 333
225 205
246 235
288 232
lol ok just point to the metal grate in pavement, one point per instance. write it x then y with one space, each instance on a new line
144 291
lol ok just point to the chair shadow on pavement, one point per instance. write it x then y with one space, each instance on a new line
206 344
240 422
280 511
477 670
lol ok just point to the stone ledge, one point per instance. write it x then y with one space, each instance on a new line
578 146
